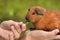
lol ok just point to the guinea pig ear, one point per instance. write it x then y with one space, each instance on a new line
39 12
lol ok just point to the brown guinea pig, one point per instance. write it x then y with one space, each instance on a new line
43 19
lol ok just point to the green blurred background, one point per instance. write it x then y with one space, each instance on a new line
16 9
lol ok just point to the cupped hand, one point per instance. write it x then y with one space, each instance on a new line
15 27
40 35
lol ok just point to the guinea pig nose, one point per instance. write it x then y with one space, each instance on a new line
27 19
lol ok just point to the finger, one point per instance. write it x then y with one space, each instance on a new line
6 24
16 34
23 27
11 20
10 23
17 27
20 24
11 36
55 31
4 34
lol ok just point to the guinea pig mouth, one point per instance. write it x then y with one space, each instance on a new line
27 19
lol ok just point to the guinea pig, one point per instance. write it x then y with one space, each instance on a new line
43 19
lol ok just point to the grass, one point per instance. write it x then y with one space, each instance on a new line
16 9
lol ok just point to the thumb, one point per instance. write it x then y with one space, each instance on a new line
55 31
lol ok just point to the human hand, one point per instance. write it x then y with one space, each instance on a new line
15 27
6 35
40 35
7 25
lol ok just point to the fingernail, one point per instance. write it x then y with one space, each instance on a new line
12 27
23 27
21 22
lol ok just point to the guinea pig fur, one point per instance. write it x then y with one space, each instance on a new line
43 19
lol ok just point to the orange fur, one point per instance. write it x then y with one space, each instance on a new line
50 19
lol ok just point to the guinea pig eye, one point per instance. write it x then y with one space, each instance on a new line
28 9
33 13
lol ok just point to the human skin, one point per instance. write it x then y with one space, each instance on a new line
6 35
13 33
12 28
40 35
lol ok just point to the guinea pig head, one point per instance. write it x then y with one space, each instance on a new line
34 14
